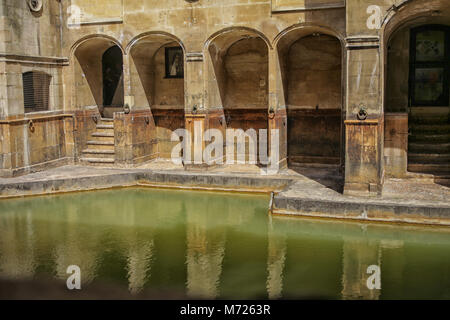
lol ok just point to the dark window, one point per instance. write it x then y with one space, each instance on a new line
36 91
174 62
430 66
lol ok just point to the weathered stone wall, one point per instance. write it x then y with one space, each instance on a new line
168 92
35 143
246 73
134 137
166 122
313 85
29 33
314 136
314 70
30 41
239 56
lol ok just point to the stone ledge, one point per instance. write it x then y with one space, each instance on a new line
362 211
292 195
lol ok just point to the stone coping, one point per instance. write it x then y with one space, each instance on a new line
292 194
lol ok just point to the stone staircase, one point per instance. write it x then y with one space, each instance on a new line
100 147
429 146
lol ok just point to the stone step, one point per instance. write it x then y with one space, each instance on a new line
419 129
98 153
97 161
425 158
102 145
429 119
445 181
437 169
107 120
433 138
103 136
441 148
105 126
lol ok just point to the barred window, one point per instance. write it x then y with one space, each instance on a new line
36 91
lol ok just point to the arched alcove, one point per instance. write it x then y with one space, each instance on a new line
157 82
311 68
98 72
240 66
417 89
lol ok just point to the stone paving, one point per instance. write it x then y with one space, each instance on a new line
308 191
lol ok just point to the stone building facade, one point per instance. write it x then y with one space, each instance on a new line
358 84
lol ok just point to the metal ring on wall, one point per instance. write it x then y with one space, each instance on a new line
31 126
362 114
35 5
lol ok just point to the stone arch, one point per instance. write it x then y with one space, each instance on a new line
312 66
98 36
87 63
416 138
237 73
157 86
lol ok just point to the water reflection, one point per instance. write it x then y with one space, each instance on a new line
276 258
212 245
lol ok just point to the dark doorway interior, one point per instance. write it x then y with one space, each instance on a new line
112 68
429 105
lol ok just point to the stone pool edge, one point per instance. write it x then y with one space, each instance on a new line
362 209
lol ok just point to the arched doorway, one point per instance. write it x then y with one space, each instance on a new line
98 72
418 74
112 71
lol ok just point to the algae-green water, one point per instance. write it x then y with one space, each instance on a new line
216 245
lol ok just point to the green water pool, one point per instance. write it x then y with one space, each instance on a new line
216 245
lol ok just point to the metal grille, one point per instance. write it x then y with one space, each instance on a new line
36 91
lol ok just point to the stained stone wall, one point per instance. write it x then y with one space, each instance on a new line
31 41
237 72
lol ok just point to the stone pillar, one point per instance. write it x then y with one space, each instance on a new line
5 148
364 118
134 130
277 107
127 94
196 114
134 137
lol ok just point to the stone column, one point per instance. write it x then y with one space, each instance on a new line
196 114
127 94
134 129
277 107
364 118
